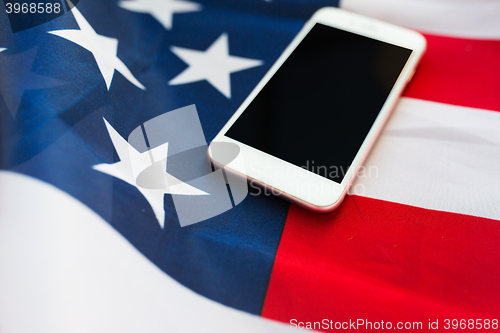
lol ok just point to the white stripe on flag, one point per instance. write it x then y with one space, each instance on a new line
64 269
437 156
466 19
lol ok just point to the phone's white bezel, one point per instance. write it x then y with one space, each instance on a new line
299 185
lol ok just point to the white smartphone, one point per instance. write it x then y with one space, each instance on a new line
306 128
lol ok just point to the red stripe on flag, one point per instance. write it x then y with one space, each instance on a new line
379 260
459 71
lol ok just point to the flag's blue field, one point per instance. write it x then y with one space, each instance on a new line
130 61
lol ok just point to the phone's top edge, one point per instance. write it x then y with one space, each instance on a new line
327 14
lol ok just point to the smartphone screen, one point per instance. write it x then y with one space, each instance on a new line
317 109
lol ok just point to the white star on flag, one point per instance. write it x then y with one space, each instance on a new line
132 163
104 49
163 10
2 49
214 65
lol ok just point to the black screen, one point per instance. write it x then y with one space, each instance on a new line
317 109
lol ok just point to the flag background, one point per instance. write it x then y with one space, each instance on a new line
82 250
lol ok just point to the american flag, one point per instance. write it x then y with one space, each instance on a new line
84 250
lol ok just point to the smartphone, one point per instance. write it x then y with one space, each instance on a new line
306 128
